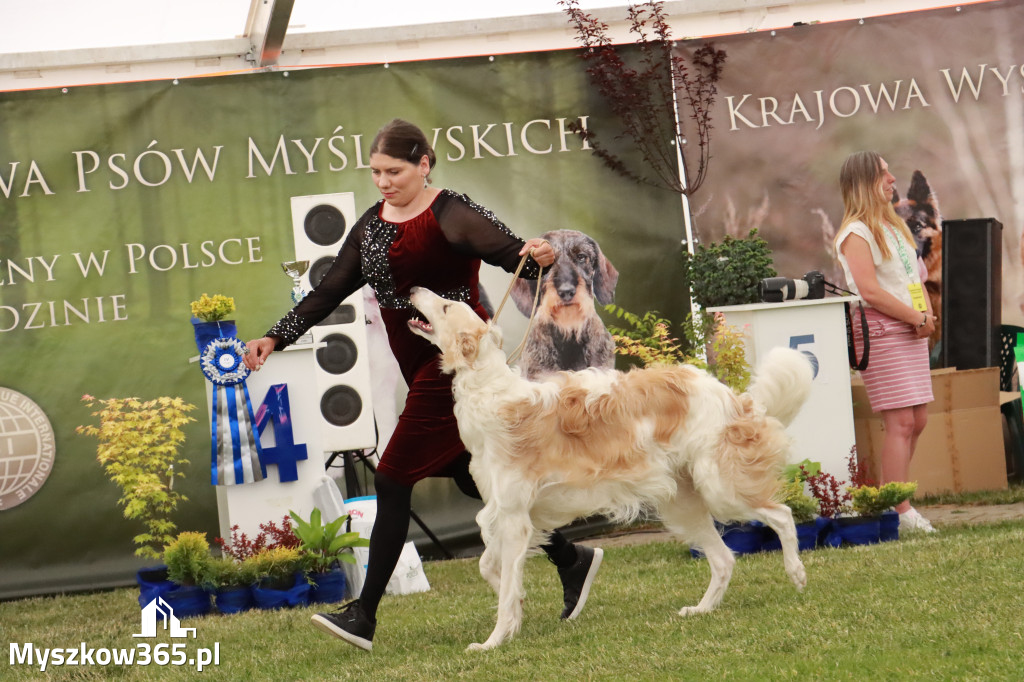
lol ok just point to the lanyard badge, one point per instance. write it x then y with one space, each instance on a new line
917 298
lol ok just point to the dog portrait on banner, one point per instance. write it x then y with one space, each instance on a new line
920 210
567 333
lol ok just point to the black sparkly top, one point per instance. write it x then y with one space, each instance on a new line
440 249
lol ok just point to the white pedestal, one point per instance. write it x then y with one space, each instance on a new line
823 431
251 504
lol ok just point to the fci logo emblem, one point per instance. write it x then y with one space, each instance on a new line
27 448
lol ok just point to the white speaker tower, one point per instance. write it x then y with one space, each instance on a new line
341 370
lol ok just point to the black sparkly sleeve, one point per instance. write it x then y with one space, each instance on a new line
344 278
474 230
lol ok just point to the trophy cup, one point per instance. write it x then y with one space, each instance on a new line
296 269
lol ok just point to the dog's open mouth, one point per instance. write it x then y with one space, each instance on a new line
423 326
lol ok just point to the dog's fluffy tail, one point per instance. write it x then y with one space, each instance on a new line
782 383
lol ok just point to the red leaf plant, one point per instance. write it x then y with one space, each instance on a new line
270 536
832 494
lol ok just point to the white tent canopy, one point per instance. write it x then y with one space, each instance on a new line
49 43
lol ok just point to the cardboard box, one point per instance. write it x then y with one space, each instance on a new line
961 448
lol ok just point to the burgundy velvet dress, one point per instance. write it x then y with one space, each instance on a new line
440 249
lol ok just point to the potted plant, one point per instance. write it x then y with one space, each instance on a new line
869 501
728 272
138 448
833 503
209 321
647 340
232 581
324 547
188 567
279 578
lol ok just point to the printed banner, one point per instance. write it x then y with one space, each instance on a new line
939 94
120 204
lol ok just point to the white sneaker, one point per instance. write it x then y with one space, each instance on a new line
912 520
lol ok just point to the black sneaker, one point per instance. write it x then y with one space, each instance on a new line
576 579
349 623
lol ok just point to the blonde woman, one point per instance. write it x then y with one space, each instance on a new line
876 250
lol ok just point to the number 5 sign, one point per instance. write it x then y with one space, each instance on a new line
805 344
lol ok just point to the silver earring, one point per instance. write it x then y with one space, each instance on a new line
425 183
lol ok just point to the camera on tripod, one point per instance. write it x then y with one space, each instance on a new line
778 289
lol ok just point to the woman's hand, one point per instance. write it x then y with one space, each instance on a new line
928 328
257 352
540 249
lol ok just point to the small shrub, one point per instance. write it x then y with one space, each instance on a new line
648 341
275 565
138 449
804 507
188 559
727 273
240 547
227 572
868 500
213 308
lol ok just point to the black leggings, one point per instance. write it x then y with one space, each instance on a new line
391 528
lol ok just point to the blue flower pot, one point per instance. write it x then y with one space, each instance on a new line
742 537
188 601
233 599
807 535
269 598
828 533
208 331
328 587
153 583
858 530
806 538
889 526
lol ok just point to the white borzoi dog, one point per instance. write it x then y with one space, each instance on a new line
669 439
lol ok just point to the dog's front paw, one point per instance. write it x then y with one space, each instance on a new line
693 610
799 577
477 647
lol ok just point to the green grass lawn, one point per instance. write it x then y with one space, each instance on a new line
948 606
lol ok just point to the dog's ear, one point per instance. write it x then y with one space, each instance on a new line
606 277
921 193
465 347
523 291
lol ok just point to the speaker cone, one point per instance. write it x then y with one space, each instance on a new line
324 225
341 405
338 355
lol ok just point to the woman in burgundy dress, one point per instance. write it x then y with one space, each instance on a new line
417 236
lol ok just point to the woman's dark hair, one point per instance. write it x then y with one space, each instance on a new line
403 140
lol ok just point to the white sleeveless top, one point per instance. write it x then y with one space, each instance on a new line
890 273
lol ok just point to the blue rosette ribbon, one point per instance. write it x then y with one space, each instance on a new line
235 451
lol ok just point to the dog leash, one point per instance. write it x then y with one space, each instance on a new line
514 355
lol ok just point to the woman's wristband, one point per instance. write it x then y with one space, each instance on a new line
923 321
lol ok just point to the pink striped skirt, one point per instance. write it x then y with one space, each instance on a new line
897 374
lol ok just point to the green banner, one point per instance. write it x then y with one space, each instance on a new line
120 204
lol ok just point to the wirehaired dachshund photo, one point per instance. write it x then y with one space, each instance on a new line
567 333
